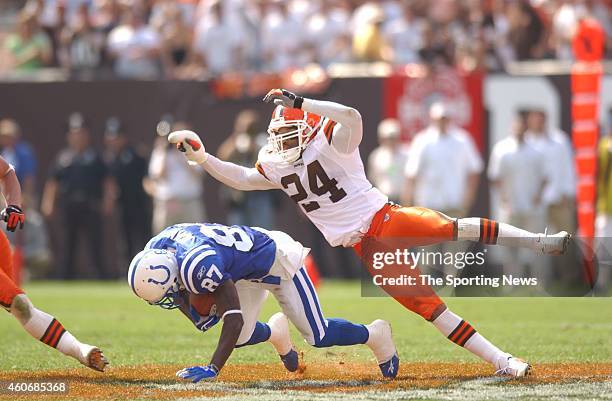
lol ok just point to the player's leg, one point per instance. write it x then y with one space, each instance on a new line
496 233
300 302
418 226
252 298
464 335
37 323
8 288
394 227
51 332
425 225
276 331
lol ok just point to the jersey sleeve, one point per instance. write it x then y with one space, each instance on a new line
328 130
235 176
261 170
202 270
344 127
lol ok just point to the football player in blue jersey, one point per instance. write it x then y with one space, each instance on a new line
239 266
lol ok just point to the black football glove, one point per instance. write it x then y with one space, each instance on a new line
285 98
13 216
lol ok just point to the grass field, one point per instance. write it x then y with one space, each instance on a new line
568 340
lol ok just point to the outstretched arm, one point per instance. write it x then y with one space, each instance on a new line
233 175
347 134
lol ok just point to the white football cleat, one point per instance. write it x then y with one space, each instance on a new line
554 244
281 341
380 341
511 366
93 358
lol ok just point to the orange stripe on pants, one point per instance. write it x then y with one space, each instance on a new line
410 226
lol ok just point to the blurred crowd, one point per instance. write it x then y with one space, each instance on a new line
531 176
194 39
530 173
109 200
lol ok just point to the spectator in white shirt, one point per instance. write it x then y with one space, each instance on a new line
219 41
325 29
517 173
404 36
135 47
177 188
386 163
283 40
559 195
442 173
443 167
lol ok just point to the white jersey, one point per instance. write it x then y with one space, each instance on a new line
330 187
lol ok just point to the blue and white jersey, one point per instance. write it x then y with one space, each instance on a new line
209 254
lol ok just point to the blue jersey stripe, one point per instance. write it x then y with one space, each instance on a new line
197 263
192 254
307 309
313 294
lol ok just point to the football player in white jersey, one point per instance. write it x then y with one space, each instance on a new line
313 155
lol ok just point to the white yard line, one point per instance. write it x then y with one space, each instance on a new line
478 389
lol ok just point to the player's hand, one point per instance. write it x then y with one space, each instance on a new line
189 143
14 217
282 97
198 373
203 323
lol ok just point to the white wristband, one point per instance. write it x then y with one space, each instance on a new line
231 312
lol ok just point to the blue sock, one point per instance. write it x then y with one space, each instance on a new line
343 332
260 334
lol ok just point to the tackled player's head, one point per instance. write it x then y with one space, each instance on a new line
290 131
154 276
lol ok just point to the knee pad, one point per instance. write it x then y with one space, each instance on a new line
21 308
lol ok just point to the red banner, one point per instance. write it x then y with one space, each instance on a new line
408 94
588 45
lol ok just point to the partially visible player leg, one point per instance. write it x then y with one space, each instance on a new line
276 331
497 233
37 323
463 334
300 302
421 226
251 300
50 331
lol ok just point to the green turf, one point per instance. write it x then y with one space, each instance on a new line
131 332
